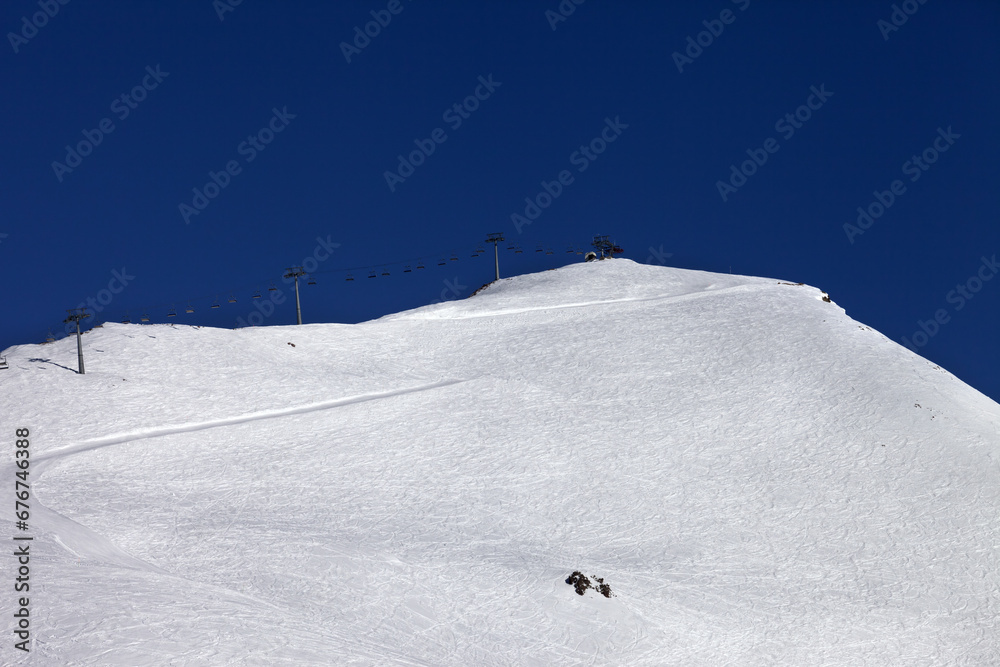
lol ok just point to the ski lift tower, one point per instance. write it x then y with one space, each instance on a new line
76 315
295 272
604 247
495 239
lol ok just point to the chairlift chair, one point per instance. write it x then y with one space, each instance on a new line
172 312
420 264
517 250
144 318
232 298
407 269
256 295
272 288
442 262
126 320
311 281
454 257
385 272
189 309
215 304
371 274
349 277
3 363
539 249
50 338
549 252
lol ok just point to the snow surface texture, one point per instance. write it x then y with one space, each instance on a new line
760 479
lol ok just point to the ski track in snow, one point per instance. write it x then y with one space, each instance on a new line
760 479
159 431
455 314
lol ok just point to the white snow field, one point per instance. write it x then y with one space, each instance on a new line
760 479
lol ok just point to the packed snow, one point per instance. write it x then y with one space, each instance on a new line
758 478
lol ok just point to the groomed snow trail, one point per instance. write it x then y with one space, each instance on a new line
760 479
170 429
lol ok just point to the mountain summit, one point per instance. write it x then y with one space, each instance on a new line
757 478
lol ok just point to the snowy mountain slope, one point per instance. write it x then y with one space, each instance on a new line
759 478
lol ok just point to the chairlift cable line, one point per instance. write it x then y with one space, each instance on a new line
216 302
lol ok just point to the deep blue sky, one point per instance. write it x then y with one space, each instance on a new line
654 187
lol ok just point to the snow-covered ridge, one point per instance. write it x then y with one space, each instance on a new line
759 478
588 285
